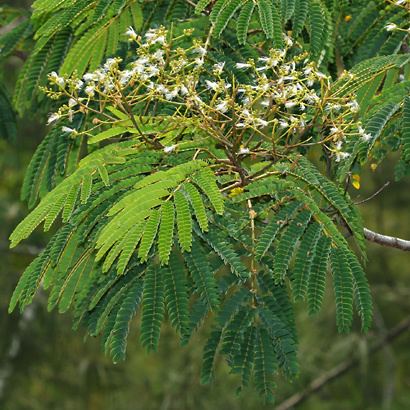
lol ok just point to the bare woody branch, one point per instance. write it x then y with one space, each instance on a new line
317 384
386 240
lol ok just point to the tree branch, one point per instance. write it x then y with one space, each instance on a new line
339 370
386 240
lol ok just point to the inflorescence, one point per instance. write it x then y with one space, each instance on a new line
284 103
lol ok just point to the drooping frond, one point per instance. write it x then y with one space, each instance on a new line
202 275
153 308
7 116
265 364
317 278
176 295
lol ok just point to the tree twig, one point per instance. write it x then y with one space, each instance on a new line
373 195
386 240
317 384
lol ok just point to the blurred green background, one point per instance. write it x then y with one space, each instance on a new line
44 365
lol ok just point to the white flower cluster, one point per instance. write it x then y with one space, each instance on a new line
405 4
283 96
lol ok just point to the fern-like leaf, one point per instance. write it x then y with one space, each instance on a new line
317 277
287 244
176 296
242 24
265 364
128 308
166 232
202 275
343 287
304 259
153 308
208 360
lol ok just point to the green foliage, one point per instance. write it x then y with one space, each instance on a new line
7 116
210 205
153 308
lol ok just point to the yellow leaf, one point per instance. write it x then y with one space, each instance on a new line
356 184
348 18
235 191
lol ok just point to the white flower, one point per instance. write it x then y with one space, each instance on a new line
366 137
321 75
335 130
222 107
290 104
110 63
100 76
153 36
283 124
307 70
390 27
109 85
53 118
70 115
125 77
288 41
131 33
90 90
218 67
261 123
79 85
160 40
399 2
169 149
200 50
183 90
57 79
72 102
69 130
158 55
152 71
196 99
199 62
312 98
240 125
240 66
333 107
160 88
265 102
211 85
341 155
354 106
243 151
87 77
172 94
